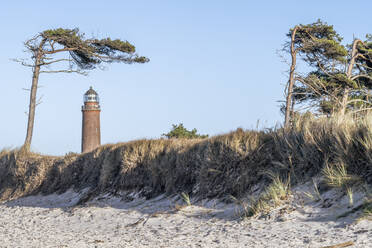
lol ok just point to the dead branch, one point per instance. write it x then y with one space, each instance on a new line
66 71
55 61
359 100
22 62
346 244
61 50
362 75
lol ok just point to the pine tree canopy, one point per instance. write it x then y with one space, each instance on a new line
87 53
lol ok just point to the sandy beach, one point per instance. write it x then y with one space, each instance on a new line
114 221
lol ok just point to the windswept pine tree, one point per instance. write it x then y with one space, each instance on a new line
70 52
340 76
315 43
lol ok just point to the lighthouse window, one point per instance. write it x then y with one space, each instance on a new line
91 98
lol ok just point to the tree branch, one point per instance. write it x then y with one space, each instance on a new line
66 71
359 100
362 75
61 50
365 66
55 61
39 101
22 62
363 109
29 45
316 91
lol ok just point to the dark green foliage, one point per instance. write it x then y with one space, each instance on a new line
180 132
322 89
87 53
364 61
318 42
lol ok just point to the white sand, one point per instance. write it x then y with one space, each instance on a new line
52 221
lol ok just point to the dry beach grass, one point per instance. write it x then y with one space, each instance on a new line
258 172
221 166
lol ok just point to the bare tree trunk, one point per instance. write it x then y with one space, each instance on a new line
288 105
292 108
32 106
349 74
344 101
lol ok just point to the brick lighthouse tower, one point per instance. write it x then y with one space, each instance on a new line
91 131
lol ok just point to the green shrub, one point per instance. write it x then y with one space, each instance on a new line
180 132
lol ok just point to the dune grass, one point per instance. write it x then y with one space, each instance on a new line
273 195
186 198
232 164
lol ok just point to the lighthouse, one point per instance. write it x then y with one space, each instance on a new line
91 131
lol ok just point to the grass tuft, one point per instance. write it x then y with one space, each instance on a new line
276 193
186 198
336 175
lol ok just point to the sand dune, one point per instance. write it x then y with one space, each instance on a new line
112 221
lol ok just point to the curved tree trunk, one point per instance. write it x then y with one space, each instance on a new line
344 101
349 74
32 106
288 104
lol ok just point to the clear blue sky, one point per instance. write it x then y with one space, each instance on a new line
213 65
